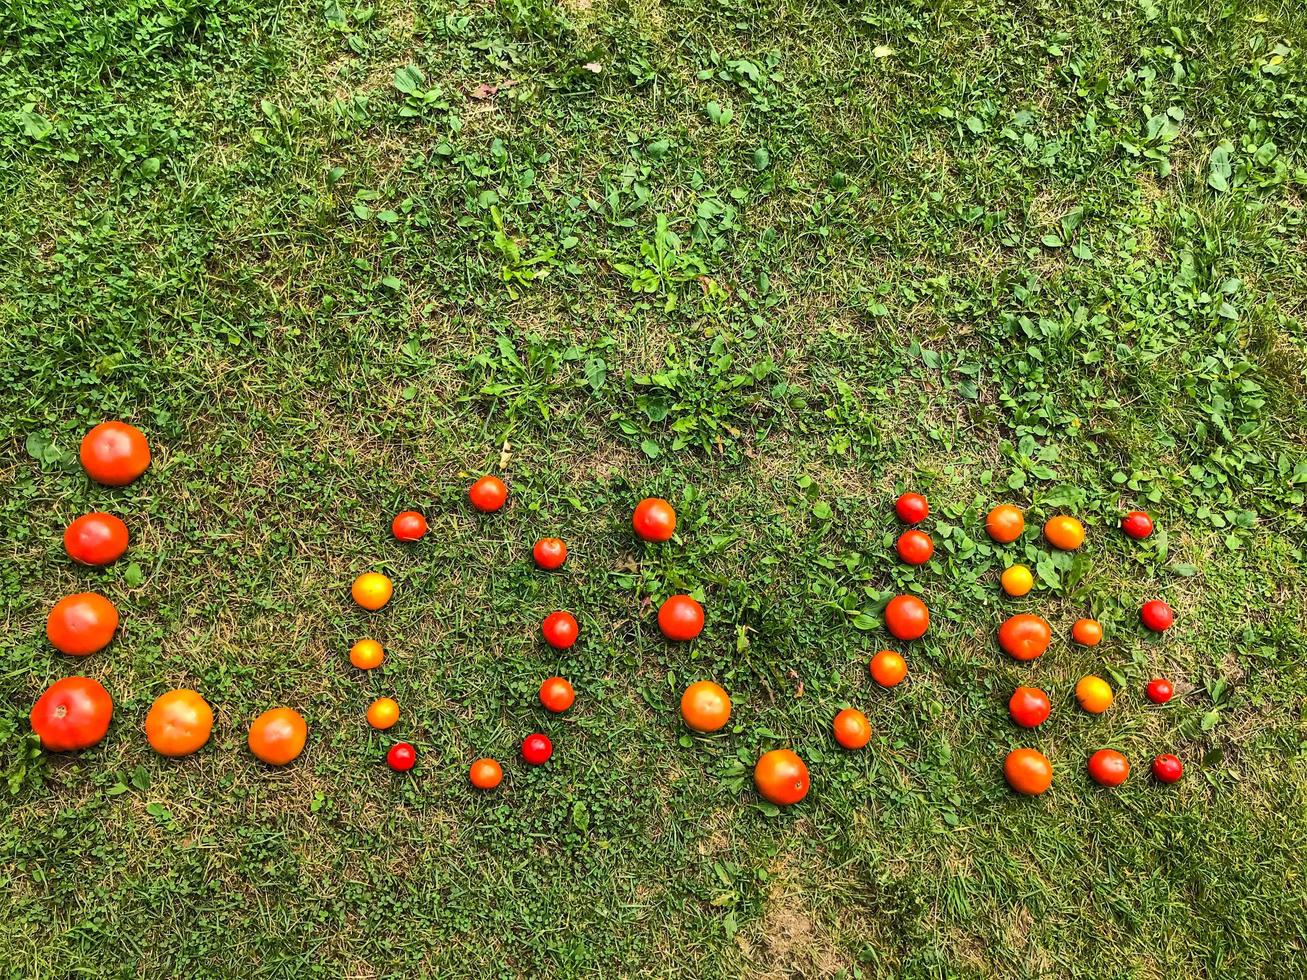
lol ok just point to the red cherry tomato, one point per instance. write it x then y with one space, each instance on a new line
536 749
1156 615
680 618
1137 525
549 553
915 547
1108 767
911 508
488 494
73 713
1159 690
1029 707
408 526
1167 769
557 694
560 630
906 617
115 453
654 519
402 757
96 539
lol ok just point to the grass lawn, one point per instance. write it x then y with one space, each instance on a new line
774 261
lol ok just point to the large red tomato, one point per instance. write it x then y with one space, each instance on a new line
1028 771
654 519
781 777
96 539
408 525
82 623
680 618
1137 525
557 694
912 508
549 553
73 713
115 453
906 617
1025 636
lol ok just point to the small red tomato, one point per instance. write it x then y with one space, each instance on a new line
488 494
906 617
1159 690
1108 767
401 757
654 519
536 749
1029 707
1156 615
557 694
560 630
549 553
1167 769
115 453
915 547
680 618
911 508
1137 525
96 539
408 526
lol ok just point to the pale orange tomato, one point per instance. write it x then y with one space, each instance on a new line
705 706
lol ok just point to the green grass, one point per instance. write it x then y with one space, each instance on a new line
774 261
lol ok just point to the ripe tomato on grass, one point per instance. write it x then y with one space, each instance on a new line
1167 769
680 617
1156 615
179 722
488 494
1108 767
781 777
1159 690
549 553
1064 532
906 617
1137 525
96 539
402 757
383 713
914 547
408 525
536 749
1025 636
705 707
1028 771
1005 523
912 508
277 736
852 730
557 694
73 713
367 654
486 774
1094 694
888 668
81 624
115 453
560 630
654 519
1087 632
372 590
1029 707
1017 580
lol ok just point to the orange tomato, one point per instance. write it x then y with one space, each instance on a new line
81 624
1064 533
906 617
96 539
486 774
705 706
1028 771
383 713
781 777
372 590
1017 580
1025 636
888 668
366 654
277 736
557 694
852 730
179 722
1005 523
1094 694
115 453
1087 632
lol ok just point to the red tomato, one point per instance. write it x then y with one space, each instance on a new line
781 777
1156 615
852 730
560 630
1028 771
654 519
915 547
1137 525
82 623
115 453
1025 636
96 539
1108 767
549 553
1167 769
1159 690
408 526
906 617
557 694
680 618
911 508
402 757
73 713
488 494
536 749
1029 707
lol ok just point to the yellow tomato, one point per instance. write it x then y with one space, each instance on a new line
372 590
1094 694
1017 580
